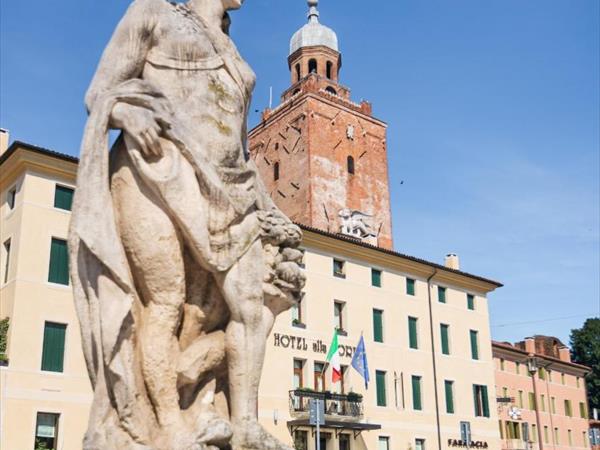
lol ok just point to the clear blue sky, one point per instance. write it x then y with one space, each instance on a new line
493 113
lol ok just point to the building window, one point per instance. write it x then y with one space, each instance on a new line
445 335
297 72
383 443
319 377
410 286
505 392
339 268
471 302
419 444
532 402
416 393
331 90
480 398
329 69
449 390
568 408
297 313
553 405
59 262
546 435
11 197
344 441
513 430
378 325
63 197
441 294
570 437
563 379
350 165
6 259
380 386
338 315
342 382
518 368
543 403
474 344
298 373
53 349
542 373
46 431
312 66
582 410
534 432
578 382
520 400
375 277
556 437
276 171
502 365
549 373
301 440
413 336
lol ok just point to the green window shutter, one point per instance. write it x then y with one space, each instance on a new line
376 277
416 390
474 345
53 351
441 294
485 399
63 197
449 389
476 400
470 301
445 339
59 262
378 325
413 340
380 385
410 286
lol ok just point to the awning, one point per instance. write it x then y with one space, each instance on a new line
337 425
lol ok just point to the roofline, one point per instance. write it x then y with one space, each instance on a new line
509 347
386 251
35 149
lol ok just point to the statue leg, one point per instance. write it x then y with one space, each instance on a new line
246 336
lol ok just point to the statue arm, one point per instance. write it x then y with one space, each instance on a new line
124 57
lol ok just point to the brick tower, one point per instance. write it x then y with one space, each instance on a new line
323 157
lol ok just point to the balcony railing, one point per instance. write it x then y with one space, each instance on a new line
518 444
339 405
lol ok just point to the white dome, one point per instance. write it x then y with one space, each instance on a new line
313 33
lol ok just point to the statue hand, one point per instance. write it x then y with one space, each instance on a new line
141 125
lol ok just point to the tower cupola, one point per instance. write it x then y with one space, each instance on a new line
313 33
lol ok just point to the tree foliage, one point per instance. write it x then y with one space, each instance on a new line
585 348
3 338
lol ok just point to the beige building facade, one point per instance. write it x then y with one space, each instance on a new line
425 327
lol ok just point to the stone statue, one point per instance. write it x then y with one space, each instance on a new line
180 261
353 223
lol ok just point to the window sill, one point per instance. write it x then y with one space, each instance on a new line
342 332
58 285
299 325
339 275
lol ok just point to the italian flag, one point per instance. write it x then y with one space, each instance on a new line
333 358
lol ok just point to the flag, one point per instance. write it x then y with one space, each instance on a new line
333 358
359 361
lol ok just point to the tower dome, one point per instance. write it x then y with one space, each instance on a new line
313 33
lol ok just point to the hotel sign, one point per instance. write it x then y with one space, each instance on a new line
301 343
459 443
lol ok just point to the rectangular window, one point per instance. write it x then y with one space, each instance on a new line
46 431
474 344
546 435
553 405
521 400
449 390
319 377
556 437
542 373
471 302
582 410
53 349
298 373
378 325
570 437
380 386
441 294
410 286
301 440
344 441
338 315
563 378
376 277
59 262
578 382
505 392
417 394
445 335
6 260
549 372
419 444
534 435
63 197
481 401
502 365
568 408
413 336
518 368
532 402
297 313
339 268
383 443
11 198
543 403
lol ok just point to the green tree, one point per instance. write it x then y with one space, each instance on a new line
585 349
3 338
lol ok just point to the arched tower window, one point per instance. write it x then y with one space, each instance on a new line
329 69
331 90
312 66
350 165
298 72
276 171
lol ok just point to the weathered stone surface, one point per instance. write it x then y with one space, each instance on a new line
180 261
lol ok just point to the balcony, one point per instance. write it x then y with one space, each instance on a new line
518 444
337 406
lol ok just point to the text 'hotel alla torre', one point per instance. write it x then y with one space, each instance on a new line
323 157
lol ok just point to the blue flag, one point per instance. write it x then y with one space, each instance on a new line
359 361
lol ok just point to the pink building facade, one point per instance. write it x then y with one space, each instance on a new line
541 396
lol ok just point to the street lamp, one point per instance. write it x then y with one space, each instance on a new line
532 368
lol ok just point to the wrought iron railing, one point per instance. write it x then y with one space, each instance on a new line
343 405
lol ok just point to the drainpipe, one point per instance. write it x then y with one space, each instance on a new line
532 368
435 381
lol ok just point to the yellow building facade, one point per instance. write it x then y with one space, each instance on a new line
425 328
